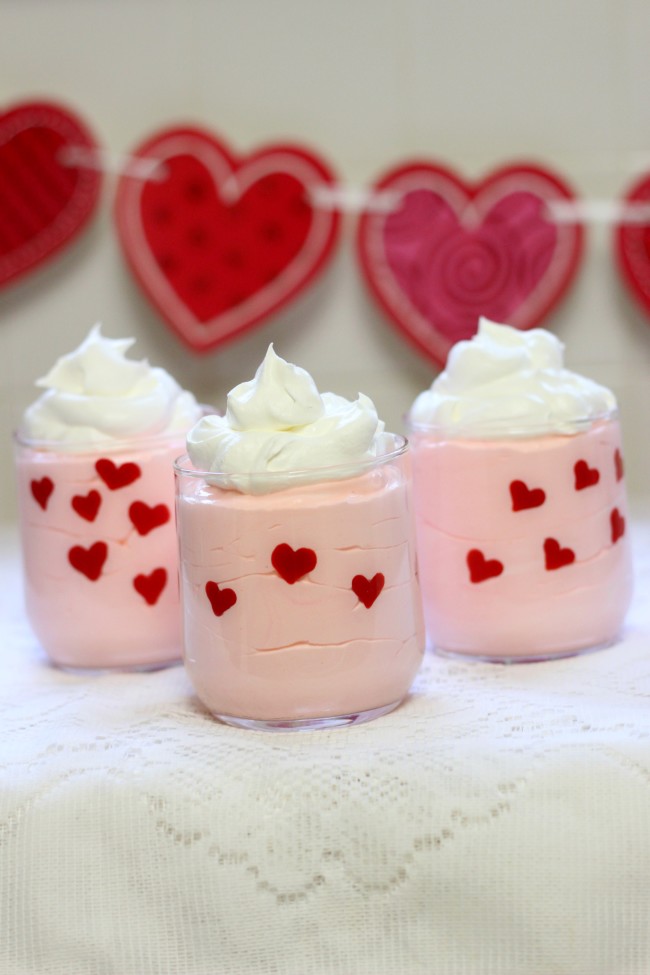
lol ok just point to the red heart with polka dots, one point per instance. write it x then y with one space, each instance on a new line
45 198
438 252
220 242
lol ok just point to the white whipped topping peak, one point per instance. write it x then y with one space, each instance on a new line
96 395
505 382
278 423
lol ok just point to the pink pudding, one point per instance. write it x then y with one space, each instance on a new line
299 588
94 463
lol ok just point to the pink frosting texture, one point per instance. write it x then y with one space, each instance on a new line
302 603
523 544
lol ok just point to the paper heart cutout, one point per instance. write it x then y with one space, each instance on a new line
524 497
617 524
116 476
291 565
220 242
44 200
220 599
555 556
632 241
585 476
89 561
480 568
367 590
41 490
442 251
87 505
146 518
151 586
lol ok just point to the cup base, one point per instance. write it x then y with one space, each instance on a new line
307 724
533 658
118 669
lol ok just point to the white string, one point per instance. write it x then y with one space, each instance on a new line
137 167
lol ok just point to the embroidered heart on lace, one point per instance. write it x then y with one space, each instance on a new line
555 556
367 590
291 565
219 242
151 586
89 561
46 199
524 497
87 505
480 568
41 491
146 518
220 599
442 251
617 522
585 476
117 476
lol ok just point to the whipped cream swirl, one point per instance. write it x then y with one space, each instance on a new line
509 383
96 395
279 422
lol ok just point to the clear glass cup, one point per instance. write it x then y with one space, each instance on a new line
301 603
523 540
100 554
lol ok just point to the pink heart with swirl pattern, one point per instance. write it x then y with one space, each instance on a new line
438 252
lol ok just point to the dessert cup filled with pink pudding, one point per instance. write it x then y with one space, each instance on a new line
520 500
94 463
299 591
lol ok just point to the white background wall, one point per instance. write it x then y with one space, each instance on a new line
473 83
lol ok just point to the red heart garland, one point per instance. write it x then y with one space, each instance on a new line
117 476
150 586
44 202
367 590
220 599
480 568
291 564
89 561
41 491
451 251
219 242
524 497
632 242
585 476
87 505
146 518
555 556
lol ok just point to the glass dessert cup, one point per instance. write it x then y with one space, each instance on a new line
100 555
523 542
301 605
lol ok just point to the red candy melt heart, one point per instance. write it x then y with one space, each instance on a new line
45 200
89 561
618 465
480 568
632 241
617 523
41 491
217 242
150 586
555 556
367 590
117 476
442 251
87 505
145 518
293 565
220 599
585 476
524 497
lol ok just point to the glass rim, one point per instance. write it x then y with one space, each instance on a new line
509 428
331 472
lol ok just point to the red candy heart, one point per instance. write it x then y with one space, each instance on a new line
41 491
555 556
448 251
293 565
618 465
367 590
89 561
146 518
87 505
114 476
220 599
44 202
150 586
217 242
585 476
481 568
524 497
617 523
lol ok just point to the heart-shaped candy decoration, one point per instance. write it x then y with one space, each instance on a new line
443 252
292 564
617 523
367 590
87 505
116 476
219 242
89 561
220 599
150 586
524 497
145 517
555 556
46 198
41 490
585 476
480 568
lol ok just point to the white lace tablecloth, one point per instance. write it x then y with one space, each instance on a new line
498 823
